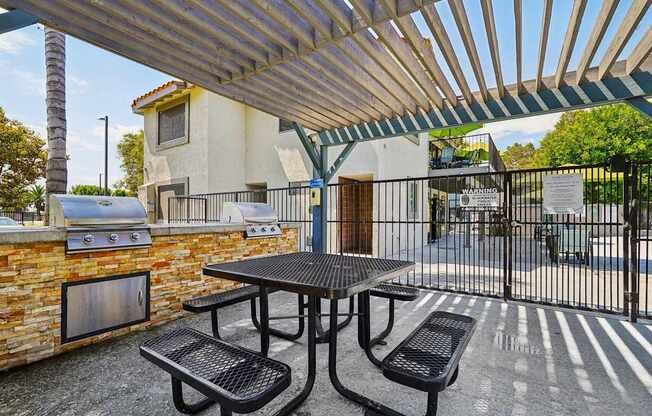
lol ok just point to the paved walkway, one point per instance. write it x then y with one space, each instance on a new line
522 360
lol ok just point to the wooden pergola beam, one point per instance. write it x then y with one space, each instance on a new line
422 49
543 40
337 87
640 52
625 30
518 42
492 38
599 29
438 30
569 40
462 21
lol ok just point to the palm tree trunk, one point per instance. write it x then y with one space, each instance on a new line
56 175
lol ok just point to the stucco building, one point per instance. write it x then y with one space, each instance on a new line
200 142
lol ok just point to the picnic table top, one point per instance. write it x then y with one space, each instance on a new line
328 276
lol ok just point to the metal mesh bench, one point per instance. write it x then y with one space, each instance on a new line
393 293
428 359
239 380
211 303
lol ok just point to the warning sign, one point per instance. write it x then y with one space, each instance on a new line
563 194
479 198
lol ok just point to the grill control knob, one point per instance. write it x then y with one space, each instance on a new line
88 239
135 236
272 229
113 237
263 229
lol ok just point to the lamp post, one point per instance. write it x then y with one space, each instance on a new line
106 153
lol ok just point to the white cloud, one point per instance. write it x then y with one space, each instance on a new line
13 42
31 82
76 85
116 131
527 126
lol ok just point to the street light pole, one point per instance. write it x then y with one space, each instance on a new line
106 153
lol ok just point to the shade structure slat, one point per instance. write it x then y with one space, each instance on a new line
422 49
462 21
640 52
569 40
363 69
599 29
626 29
543 40
492 38
518 42
438 30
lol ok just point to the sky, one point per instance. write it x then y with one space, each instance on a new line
101 83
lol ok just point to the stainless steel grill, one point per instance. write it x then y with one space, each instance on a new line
259 218
100 223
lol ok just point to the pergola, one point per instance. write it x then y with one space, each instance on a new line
359 69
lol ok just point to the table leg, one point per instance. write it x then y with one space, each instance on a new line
364 327
276 332
264 321
312 360
323 334
372 406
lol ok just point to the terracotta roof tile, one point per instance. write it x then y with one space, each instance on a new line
137 102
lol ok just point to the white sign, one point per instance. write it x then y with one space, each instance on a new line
563 194
479 198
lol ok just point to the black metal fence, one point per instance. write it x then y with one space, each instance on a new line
488 234
22 217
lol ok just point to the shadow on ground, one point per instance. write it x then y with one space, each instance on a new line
522 360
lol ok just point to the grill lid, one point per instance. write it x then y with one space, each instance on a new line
248 213
77 210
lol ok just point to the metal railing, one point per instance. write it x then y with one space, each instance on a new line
22 217
465 151
599 259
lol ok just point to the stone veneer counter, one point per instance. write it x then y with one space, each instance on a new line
33 265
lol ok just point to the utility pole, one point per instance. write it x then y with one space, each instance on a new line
106 154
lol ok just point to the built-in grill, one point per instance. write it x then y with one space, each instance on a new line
100 223
260 219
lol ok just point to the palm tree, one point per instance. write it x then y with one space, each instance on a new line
56 175
37 197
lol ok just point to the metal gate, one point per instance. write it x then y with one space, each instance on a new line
507 246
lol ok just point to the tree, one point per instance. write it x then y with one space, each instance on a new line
87 190
596 135
521 156
22 162
130 150
37 197
56 177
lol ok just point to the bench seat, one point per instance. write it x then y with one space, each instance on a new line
222 299
428 359
238 379
396 292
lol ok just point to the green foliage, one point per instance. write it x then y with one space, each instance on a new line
130 150
37 197
22 162
120 192
454 131
520 156
87 190
596 135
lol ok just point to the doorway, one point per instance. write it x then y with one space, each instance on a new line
355 216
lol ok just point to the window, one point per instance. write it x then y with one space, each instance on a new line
413 200
284 125
173 124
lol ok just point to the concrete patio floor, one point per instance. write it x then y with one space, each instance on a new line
523 360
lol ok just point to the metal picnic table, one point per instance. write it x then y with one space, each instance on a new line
318 276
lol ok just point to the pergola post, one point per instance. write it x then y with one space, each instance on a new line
321 170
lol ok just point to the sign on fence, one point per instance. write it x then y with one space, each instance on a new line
479 198
563 194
